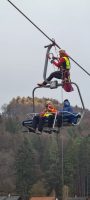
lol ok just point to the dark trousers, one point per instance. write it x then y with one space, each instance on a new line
40 121
56 74
35 121
65 117
59 120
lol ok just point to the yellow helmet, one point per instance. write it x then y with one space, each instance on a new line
48 102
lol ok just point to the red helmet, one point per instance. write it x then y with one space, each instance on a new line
62 51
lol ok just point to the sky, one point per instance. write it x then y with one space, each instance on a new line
22 52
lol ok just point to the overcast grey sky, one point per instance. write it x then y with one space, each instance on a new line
22 51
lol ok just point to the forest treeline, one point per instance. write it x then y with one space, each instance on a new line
41 165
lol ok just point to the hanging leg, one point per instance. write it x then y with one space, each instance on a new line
56 74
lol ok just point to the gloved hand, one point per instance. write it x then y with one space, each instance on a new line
52 61
54 58
48 55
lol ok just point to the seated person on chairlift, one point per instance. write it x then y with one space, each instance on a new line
67 114
39 120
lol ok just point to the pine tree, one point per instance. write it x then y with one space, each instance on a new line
25 169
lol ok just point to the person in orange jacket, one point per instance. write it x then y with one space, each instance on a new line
47 114
49 109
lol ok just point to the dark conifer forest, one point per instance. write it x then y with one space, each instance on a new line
40 164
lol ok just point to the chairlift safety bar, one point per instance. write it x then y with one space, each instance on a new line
59 85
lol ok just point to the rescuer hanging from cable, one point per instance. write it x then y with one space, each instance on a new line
63 64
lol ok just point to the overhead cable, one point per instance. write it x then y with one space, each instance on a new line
46 35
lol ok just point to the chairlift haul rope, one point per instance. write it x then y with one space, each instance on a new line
46 36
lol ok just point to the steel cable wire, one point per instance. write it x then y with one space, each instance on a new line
46 35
